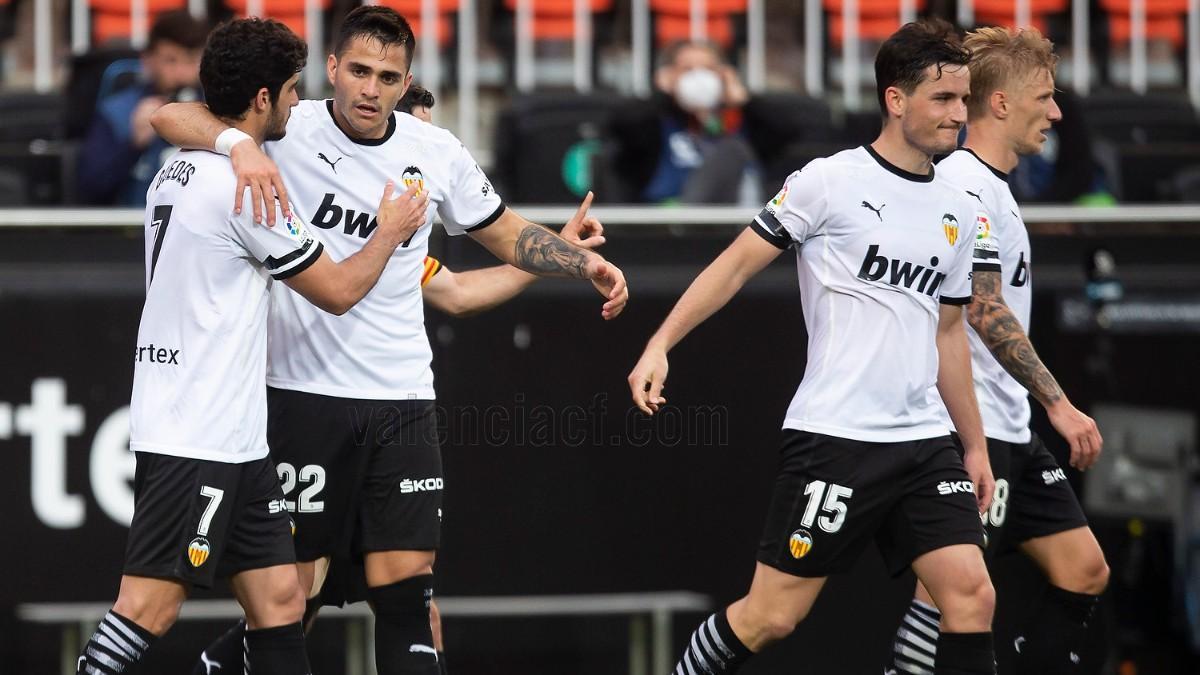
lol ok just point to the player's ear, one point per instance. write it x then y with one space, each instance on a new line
999 104
330 67
262 100
895 100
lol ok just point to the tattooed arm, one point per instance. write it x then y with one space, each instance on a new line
539 251
1000 330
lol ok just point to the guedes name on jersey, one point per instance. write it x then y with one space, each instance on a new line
178 171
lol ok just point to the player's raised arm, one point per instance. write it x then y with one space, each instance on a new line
336 287
1000 330
193 126
720 281
465 293
538 250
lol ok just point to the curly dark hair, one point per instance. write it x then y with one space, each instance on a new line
242 57
903 57
415 96
382 24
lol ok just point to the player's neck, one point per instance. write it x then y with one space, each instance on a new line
989 144
898 152
249 126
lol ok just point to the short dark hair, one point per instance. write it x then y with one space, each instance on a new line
244 56
177 27
375 22
903 57
415 96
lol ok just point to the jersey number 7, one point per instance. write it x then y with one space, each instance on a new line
159 222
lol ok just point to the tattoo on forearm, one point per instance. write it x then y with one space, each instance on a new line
995 324
540 251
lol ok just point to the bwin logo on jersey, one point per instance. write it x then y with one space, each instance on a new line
1020 275
329 215
949 487
408 486
900 272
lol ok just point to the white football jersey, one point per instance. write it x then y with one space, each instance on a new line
200 363
879 249
1001 245
379 349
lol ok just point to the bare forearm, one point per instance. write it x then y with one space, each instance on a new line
481 290
1000 330
359 273
710 291
956 386
188 125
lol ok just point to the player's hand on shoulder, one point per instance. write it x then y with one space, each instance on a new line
1080 432
259 173
979 470
647 380
400 217
610 281
583 230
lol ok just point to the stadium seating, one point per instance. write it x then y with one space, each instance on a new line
411 10
673 20
1164 20
288 12
877 19
111 20
546 142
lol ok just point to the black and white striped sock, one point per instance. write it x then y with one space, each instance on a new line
915 650
117 644
713 649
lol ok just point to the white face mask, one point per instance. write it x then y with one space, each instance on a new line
698 90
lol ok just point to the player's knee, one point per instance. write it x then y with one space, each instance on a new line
389 567
768 625
971 603
1093 575
152 613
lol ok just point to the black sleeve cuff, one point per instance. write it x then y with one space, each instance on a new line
946 300
985 267
767 226
489 220
314 256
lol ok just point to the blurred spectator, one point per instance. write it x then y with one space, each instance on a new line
686 143
418 102
121 152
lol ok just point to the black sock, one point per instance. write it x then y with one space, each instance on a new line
965 654
403 636
1050 640
225 653
117 644
442 663
915 650
714 648
277 651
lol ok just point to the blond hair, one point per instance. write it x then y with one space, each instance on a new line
1002 58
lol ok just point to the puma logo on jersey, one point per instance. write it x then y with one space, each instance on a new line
333 165
1020 275
867 205
976 194
949 487
900 272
